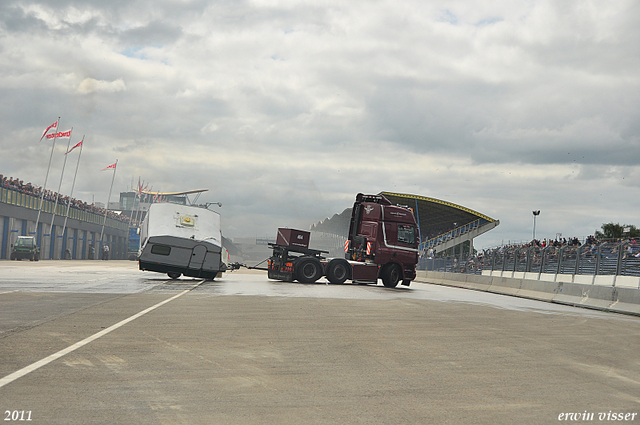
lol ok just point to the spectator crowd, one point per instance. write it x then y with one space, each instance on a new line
49 195
589 242
470 263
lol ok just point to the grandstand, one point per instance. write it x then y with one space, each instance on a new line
442 224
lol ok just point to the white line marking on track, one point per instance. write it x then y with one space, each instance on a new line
28 369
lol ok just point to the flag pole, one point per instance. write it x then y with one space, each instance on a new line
55 205
46 178
73 185
108 199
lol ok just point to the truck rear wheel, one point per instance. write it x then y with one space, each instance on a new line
173 275
338 271
391 275
308 270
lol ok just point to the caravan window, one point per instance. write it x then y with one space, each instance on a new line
161 249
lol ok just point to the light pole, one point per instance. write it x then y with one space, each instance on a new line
535 214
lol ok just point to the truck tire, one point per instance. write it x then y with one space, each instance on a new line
308 270
173 275
338 271
391 275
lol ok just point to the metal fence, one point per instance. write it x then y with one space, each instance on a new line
606 258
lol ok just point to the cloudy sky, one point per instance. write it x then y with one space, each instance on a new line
286 109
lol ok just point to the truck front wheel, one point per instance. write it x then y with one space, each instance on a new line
391 275
308 270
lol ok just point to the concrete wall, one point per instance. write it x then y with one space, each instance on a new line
609 293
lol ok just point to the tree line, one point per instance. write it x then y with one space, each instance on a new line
617 231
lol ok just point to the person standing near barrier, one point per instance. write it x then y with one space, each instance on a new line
105 252
628 252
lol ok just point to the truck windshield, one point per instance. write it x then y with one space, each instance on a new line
406 234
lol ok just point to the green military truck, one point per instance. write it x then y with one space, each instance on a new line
25 247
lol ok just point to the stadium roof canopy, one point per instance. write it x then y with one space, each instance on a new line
188 192
436 217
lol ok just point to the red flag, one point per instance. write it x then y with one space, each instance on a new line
140 188
110 167
76 146
60 135
54 125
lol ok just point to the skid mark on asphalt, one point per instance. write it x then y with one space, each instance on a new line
605 372
113 363
78 361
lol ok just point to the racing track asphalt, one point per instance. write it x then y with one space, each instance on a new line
246 350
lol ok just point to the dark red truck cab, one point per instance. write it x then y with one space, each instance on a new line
382 243
384 234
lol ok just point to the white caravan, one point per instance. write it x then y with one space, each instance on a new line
182 240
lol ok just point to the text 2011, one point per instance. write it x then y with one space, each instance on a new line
17 415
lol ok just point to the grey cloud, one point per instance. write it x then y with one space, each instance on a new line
15 19
156 33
